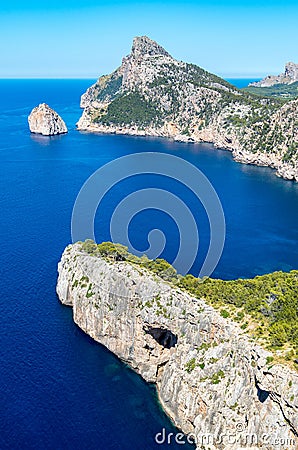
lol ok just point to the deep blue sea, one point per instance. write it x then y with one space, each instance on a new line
242 82
59 389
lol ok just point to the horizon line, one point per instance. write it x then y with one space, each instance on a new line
243 77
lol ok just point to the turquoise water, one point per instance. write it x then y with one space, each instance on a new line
242 82
59 389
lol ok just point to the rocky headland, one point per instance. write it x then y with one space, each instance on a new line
153 94
44 120
289 76
213 379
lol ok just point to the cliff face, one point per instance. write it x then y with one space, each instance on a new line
153 94
211 378
44 120
289 76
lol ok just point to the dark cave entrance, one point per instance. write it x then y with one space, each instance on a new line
163 336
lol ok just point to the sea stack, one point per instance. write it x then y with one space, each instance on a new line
44 120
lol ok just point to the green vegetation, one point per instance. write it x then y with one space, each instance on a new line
110 88
192 99
291 151
224 313
89 292
131 109
89 246
217 377
233 407
118 252
213 360
190 365
205 346
265 306
203 78
287 91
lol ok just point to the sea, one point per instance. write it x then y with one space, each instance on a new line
60 389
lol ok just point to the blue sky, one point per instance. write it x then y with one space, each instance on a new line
88 38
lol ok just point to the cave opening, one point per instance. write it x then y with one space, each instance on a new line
262 395
163 336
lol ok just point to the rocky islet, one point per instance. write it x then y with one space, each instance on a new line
44 120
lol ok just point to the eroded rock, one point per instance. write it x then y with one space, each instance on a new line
44 120
212 379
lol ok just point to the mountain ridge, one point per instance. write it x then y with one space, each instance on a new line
153 94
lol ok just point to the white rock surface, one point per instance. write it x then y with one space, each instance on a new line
134 314
44 120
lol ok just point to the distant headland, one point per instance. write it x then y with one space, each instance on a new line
153 94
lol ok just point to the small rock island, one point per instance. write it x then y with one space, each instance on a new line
44 120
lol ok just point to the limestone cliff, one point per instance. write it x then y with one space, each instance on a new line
289 76
44 120
153 94
212 379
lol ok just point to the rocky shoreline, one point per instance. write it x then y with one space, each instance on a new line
212 379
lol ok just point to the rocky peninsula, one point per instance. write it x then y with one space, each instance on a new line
44 120
289 76
213 379
153 94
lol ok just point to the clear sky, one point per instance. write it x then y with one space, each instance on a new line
86 38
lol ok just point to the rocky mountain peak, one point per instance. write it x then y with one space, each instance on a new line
152 93
291 71
142 46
